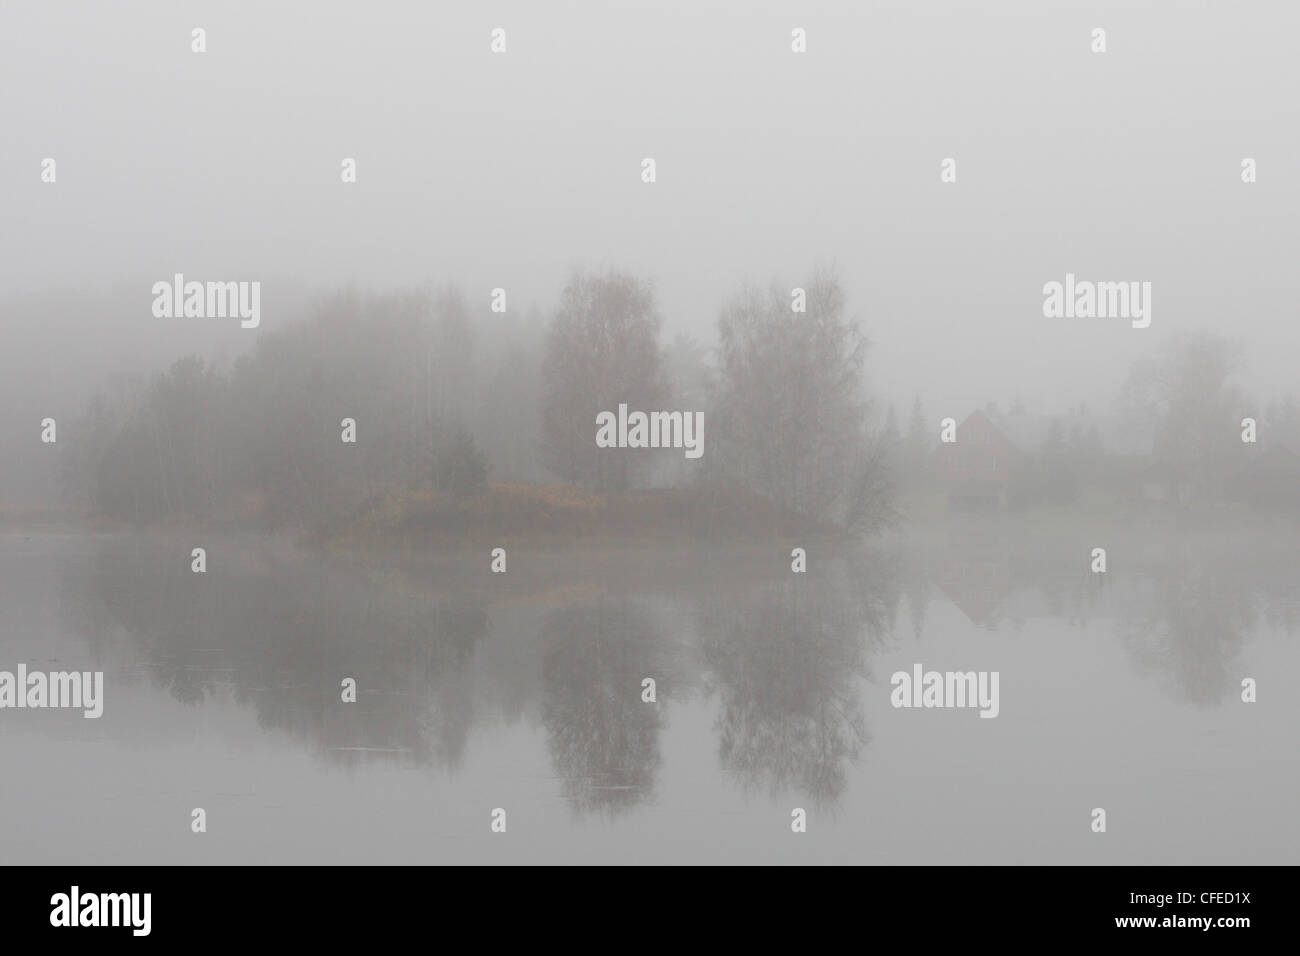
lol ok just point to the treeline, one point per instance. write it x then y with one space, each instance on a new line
1212 439
1180 430
445 398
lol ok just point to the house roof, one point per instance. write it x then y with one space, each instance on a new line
1120 435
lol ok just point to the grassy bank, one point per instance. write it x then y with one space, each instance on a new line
556 515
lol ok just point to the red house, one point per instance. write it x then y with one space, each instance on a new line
977 468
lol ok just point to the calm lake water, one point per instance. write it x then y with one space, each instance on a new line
523 691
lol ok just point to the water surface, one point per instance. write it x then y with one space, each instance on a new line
523 691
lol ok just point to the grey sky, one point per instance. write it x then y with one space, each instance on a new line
508 170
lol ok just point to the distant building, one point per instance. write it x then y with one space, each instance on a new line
976 469
993 451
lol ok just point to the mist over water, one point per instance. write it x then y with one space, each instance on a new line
510 170
773 693
958 346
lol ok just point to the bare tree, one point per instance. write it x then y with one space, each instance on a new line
602 349
790 410
1185 391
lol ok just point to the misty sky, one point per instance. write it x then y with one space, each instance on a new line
509 170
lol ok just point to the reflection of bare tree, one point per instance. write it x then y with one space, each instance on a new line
786 659
280 639
456 628
604 740
1279 589
1184 605
1193 633
916 587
